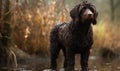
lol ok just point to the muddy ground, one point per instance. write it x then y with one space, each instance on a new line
35 63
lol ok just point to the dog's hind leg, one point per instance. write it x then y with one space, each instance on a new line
65 59
54 50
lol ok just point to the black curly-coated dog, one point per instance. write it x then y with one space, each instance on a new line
74 37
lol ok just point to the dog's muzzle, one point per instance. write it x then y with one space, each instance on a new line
87 15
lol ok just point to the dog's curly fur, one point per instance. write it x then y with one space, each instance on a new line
74 37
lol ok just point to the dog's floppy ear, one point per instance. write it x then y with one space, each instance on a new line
95 19
74 13
95 15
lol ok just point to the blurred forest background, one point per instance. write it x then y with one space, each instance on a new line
25 25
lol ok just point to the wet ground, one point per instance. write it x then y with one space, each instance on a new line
42 64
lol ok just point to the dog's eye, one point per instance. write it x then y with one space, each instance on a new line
91 9
84 7
82 11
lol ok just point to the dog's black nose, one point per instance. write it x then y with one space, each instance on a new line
90 15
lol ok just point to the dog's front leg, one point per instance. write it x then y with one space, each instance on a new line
84 59
70 60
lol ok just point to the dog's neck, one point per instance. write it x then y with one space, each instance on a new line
79 28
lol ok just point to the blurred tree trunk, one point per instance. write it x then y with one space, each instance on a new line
114 5
5 31
112 10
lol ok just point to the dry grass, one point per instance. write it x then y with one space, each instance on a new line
106 35
32 23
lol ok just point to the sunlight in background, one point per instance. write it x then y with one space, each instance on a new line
27 32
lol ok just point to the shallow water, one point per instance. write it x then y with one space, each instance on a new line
42 64
105 64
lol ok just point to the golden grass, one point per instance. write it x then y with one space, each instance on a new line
32 25
106 35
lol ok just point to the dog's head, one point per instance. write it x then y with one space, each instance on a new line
84 12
